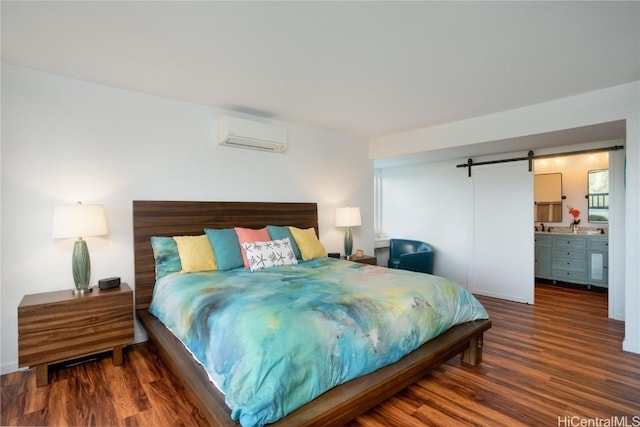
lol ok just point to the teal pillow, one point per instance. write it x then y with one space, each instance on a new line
225 247
165 252
279 233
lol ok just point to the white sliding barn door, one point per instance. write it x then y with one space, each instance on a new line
502 261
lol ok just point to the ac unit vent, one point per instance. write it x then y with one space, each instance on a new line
235 132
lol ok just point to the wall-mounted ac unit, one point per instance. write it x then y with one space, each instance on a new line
235 132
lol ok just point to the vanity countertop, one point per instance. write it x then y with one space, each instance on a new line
587 232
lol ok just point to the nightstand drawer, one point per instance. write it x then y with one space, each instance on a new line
57 326
364 259
63 331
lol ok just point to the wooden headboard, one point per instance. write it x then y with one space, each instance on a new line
168 218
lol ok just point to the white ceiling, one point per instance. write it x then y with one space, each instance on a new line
363 68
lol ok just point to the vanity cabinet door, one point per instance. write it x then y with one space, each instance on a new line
543 256
543 262
598 259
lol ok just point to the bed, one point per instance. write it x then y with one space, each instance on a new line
336 406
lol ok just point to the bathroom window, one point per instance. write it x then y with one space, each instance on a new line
598 196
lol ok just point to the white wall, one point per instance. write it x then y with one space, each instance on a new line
616 103
430 203
65 140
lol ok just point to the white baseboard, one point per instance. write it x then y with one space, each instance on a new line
7 368
632 347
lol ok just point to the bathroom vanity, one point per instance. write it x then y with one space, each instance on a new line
573 258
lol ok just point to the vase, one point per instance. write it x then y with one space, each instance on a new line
575 228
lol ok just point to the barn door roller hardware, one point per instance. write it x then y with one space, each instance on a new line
531 157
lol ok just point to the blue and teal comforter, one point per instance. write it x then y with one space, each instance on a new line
277 338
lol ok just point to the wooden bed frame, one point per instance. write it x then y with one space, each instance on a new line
335 407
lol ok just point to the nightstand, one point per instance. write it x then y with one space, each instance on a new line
58 326
364 259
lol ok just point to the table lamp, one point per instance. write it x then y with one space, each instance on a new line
79 221
348 217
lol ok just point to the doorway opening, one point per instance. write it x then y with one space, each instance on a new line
572 200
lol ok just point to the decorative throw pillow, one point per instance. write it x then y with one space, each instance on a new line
269 254
195 254
307 241
279 233
226 248
165 252
249 235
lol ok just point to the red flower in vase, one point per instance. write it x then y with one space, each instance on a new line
575 213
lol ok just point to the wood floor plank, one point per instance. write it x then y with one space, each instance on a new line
57 413
128 396
561 357
12 398
461 401
37 398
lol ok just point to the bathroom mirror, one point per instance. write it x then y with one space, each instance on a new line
598 196
548 197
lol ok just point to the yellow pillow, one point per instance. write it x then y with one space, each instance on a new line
195 253
308 243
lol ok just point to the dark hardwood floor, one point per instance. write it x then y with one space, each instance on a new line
557 363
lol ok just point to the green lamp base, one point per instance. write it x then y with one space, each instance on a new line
81 265
348 243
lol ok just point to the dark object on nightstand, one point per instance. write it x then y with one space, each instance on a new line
111 282
411 255
333 254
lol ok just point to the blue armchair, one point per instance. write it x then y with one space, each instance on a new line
411 255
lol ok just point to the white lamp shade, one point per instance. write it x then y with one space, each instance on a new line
348 217
79 221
